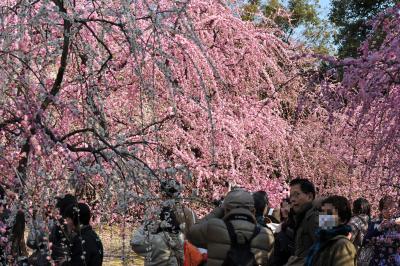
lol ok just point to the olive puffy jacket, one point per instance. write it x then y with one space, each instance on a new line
213 235
339 251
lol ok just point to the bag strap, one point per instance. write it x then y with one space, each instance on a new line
256 231
231 232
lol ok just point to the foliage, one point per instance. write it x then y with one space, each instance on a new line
298 19
364 106
107 99
350 17
111 97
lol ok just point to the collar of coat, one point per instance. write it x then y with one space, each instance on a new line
299 217
241 211
325 239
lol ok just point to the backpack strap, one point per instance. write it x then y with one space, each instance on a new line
256 231
231 232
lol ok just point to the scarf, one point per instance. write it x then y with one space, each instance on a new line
323 236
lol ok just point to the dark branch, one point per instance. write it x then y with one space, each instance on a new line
4 124
64 57
143 130
110 56
70 134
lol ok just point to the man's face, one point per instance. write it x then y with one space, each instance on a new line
389 210
298 198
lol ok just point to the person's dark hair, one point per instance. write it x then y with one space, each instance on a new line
218 202
305 185
63 203
79 213
283 201
342 205
384 202
361 206
290 222
18 227
260 202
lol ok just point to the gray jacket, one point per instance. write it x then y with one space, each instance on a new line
162 248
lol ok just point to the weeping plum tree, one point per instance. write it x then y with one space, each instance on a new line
111 96
364 109
114 95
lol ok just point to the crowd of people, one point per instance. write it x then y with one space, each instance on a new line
57 235
243 229
307 229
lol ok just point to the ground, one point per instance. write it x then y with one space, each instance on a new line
113 246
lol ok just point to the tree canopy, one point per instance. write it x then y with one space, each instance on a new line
350 19
116 96
298 19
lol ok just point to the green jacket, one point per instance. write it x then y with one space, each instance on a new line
339 251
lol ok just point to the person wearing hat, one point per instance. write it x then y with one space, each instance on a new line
160 241
238 212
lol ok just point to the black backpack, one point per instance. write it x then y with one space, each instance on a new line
240 254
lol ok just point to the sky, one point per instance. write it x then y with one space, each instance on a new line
324 7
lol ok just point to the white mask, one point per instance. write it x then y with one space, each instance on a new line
327 221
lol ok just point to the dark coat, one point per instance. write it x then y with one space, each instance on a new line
306 225
284 246
384 243
86 248
60 242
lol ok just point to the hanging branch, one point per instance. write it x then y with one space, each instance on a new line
64 57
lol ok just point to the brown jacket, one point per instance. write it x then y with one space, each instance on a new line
306 226
213 235
339 251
